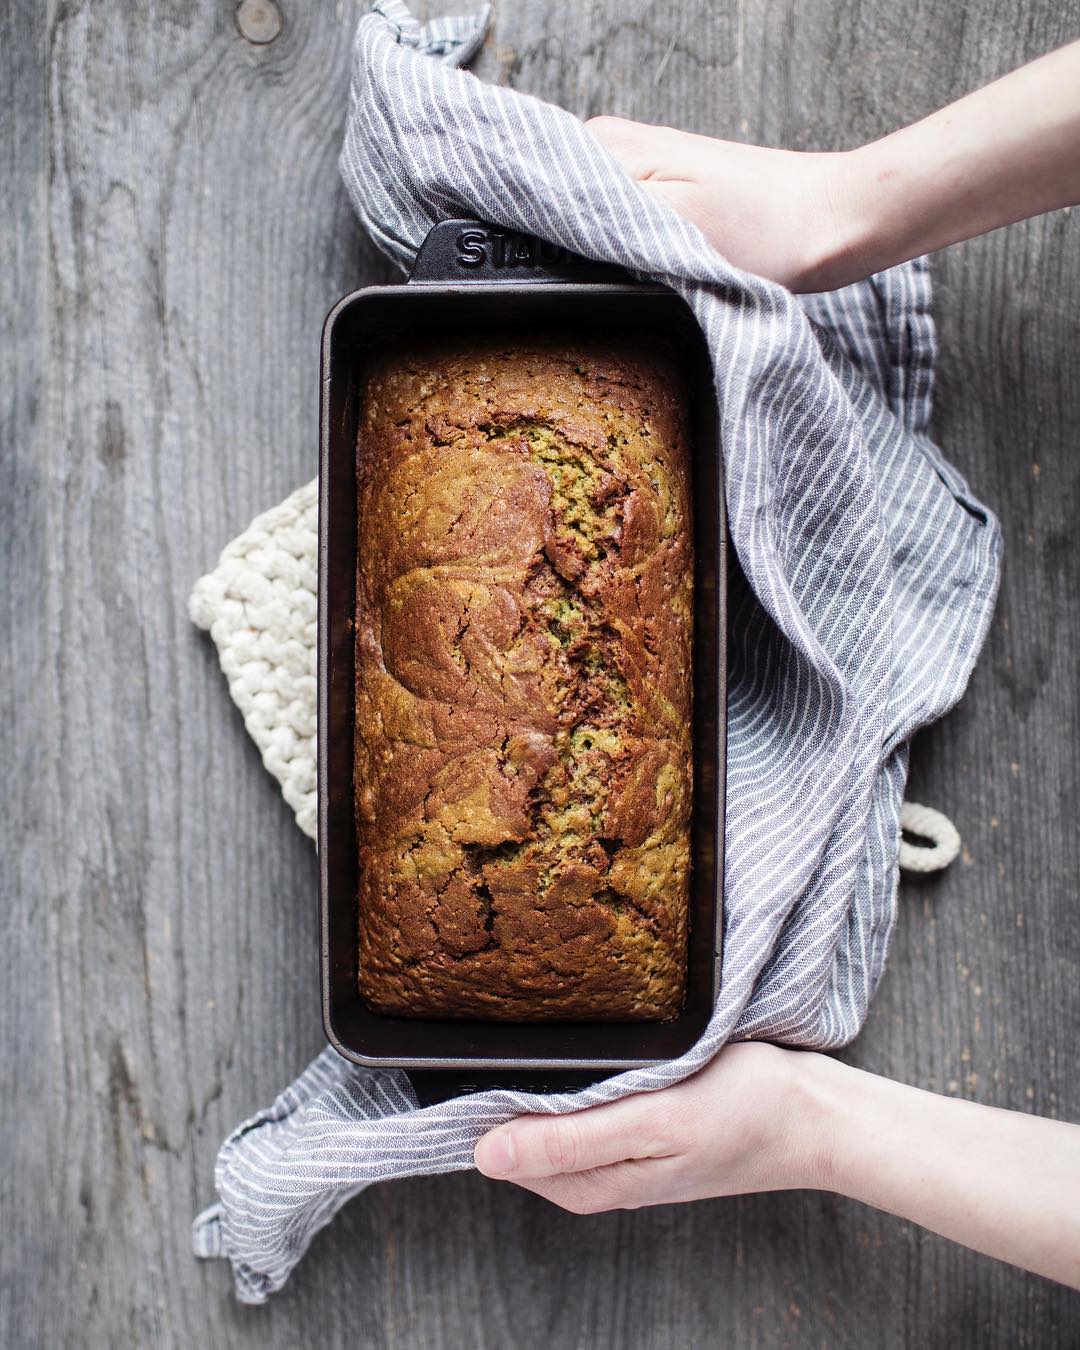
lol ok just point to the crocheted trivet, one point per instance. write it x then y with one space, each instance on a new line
260 605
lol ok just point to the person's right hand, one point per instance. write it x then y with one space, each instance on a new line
815 221
782 214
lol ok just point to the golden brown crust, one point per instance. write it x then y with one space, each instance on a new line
523 692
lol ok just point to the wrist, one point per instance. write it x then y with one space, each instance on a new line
850 240
897 198
820 1087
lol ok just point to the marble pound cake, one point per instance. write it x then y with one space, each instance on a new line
523 681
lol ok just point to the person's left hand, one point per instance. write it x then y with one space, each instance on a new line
744 1123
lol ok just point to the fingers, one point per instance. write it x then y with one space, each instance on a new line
648 152
535 1147
644 151
631 143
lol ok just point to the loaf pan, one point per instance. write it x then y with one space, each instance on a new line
471 278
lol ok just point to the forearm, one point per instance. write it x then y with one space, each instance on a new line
1001 1182
1003 153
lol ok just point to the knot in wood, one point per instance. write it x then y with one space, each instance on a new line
258 21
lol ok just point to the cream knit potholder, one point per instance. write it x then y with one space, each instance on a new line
260 605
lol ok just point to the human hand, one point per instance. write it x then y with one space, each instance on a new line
743 1123
814 221
782 214
759 1118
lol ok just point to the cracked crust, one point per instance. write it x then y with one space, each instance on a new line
523 691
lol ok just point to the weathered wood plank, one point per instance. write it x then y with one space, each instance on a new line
175 236
31 1216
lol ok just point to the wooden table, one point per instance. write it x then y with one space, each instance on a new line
174 231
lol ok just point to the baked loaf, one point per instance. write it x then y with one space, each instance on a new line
523 691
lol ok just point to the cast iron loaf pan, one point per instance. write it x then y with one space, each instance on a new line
472 278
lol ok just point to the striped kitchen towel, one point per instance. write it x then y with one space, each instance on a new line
866 582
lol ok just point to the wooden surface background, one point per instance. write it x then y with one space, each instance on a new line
173 232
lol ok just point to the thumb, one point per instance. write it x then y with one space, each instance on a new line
532 1147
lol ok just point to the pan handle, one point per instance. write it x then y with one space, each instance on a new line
470 250
439 1085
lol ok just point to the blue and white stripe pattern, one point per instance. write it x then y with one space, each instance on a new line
868 576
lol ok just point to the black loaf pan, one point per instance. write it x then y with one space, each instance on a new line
472 278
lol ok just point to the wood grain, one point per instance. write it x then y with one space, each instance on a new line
174 234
